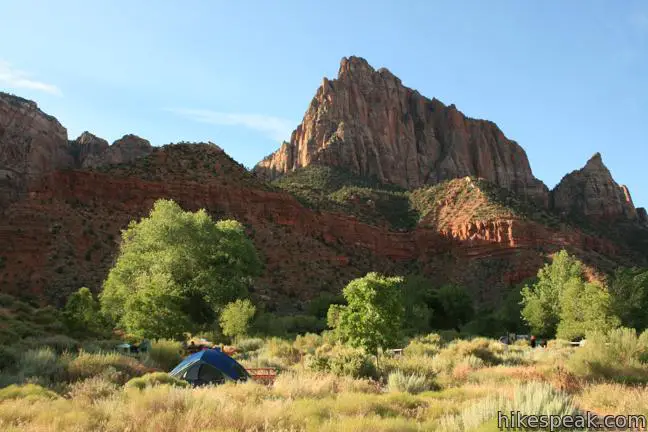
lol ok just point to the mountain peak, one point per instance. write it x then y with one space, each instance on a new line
592 191
367 122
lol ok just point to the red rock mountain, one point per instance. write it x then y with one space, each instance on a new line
368 122
63 203
33 143
592 192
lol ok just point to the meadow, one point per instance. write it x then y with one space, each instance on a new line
439 383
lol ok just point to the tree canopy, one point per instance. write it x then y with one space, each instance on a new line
236 317
562 303
373 315
176 270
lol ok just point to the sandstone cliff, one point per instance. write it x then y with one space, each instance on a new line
593 193
124 150
65 232
368 122
87 146
31 144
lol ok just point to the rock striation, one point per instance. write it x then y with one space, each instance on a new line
593 193
32 143
368 122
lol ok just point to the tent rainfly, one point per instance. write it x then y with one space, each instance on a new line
209 367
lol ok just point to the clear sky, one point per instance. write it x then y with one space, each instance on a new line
564 79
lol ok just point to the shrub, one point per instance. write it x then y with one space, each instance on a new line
92 389
251 344
352 362
41 364
8 357
116 366
317 363
154 379
283 350
424 346
59 343
400 382
620 355
165 354
27 391
308 343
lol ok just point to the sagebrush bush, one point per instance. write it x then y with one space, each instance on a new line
428 345
620 355
58 343
412 383
27 391
92 389
87 365
42 365
165 354
154 379
308 343
249 344
351 362
282 350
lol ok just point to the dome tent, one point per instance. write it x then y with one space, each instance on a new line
209 367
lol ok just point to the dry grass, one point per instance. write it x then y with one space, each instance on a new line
478 377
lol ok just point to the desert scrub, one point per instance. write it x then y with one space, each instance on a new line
87 365
27 392
41 365
530 398
92 389
250 344
413 383
318 385
153 379
615 399
428 345
165 354
342 361
620 355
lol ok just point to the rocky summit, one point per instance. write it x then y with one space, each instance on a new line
368 122
592 192
375 177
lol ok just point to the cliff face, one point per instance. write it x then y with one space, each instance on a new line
368 122
124 150
65 233
87 146
31 143
592 192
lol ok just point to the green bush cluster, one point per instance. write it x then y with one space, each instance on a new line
154 379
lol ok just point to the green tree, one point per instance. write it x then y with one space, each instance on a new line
418 296
236 317
541 300
453 307
584 308
373 315
82 315
629 292
176 270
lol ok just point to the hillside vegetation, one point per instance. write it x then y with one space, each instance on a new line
448 203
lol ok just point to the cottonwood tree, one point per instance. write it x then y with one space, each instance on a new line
372 318
176 270
236 317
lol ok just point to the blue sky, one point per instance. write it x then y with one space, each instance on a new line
564 79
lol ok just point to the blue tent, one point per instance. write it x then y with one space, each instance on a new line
209 367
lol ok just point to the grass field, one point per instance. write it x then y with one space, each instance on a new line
436 384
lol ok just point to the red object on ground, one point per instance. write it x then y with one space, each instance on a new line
263 375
